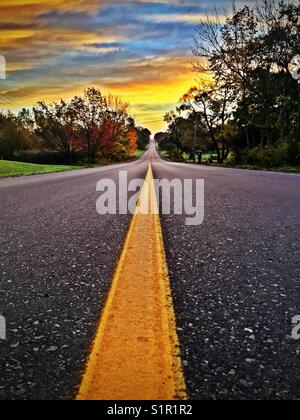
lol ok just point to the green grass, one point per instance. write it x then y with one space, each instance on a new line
10 168
287 169
205 156
163 153
139 153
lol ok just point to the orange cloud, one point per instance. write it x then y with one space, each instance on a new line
41 56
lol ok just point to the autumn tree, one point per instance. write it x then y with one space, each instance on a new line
55 125
102 123
132 139
97 126
114 129
88 112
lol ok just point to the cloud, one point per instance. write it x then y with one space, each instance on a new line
139 50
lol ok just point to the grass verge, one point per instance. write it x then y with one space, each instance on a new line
287 169
139 153
205 159
10 168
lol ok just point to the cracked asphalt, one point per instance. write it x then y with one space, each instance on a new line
235 280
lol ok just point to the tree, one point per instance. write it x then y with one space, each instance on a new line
132 140
14 135
249 57
173 120
55 125
102 124
89 116
114 129
97 126
144 136
160 136
209 106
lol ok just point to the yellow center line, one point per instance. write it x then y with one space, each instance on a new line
136 355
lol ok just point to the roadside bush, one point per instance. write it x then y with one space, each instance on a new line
285 154
292 153
167 145
175 155
170 148
234 158
49 158
263 157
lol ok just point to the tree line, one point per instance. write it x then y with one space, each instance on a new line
248 110
88 128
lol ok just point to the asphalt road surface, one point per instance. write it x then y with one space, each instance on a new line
236 283
56 263
235 280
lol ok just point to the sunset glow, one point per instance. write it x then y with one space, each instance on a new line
140 50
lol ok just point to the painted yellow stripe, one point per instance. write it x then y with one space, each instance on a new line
136 354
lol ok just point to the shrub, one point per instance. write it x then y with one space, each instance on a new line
175 155
291 152
171 148
49 157
284 154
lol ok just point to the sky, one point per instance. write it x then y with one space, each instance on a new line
138 50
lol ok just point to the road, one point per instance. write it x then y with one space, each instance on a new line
234 280
57 258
